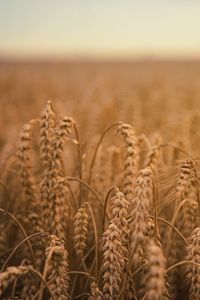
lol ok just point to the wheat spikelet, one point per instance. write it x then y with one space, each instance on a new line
62 131
185 178
139 216
80 230
32 218
120 211
142 277
156 285
120 218
130 289
186 199
59 205
51 148
193 271
188 215
186 221
131 160
46 136
113 261
57 274
151 232
24 158
95 293
64 209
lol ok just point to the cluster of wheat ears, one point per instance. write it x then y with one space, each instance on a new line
121 227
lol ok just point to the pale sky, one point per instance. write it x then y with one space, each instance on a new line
100 28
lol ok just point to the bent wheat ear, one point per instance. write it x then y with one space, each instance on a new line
95 293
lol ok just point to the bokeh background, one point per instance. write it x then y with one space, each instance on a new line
99 29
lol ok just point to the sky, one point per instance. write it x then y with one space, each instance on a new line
100 28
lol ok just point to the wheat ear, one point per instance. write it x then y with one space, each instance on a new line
80 230
113 261
156 285
57 269
95 293
140 216
193 270
132 158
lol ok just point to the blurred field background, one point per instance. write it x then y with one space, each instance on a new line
118 218
152 96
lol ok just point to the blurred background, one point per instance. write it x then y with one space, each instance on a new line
92 29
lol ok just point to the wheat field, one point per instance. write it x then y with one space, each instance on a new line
100 182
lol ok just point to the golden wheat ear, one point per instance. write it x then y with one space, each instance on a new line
95 293
193 268
131 159
80 230
139 217
156 285
56 269
113 261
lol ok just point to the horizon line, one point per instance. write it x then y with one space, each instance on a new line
96 58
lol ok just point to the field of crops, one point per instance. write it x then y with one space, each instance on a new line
100 181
